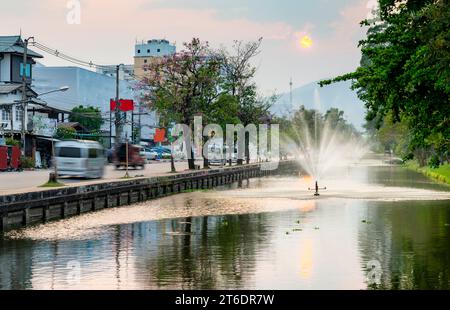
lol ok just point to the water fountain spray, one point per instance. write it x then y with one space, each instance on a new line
322 142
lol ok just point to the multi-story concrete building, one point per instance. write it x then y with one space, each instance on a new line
146 52
88 88
126 72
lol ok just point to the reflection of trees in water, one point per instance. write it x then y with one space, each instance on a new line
211 252
15 264
412 243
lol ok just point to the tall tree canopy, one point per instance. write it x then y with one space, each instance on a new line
404 70
217 85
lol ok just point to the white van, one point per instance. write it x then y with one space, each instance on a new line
80 158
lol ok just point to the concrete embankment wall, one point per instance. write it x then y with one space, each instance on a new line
20 210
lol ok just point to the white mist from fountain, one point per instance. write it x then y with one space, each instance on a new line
324 144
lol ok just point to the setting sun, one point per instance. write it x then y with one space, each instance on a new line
306 42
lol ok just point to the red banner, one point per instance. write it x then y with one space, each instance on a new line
125 105
112 104
160 135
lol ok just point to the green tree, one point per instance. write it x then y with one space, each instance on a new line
65 133
238 74
405 70
185 84
89 117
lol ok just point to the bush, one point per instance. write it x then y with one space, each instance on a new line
65 133
27 162
11 141
434 162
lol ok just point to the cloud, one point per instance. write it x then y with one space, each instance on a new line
108 31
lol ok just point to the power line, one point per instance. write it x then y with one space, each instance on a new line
57 53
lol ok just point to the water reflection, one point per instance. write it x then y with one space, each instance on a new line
412 242
300 244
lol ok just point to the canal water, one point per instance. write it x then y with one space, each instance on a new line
375 227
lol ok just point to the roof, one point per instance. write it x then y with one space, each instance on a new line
74 125
9 88
14 44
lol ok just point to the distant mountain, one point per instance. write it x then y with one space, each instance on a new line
312 96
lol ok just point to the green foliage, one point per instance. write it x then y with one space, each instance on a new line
27 162
65 133
185 84
292 129
434 162
404 72
201 82
441 173
89 117
12 142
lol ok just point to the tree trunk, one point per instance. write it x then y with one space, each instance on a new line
191 161
247 148
172 164
205 156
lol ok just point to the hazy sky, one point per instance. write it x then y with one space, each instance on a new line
108 30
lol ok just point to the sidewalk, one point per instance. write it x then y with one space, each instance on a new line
29 181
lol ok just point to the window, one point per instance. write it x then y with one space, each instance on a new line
5 115
159 50
68 152
145 61
92 153
19 114
139 51
27 70
148 51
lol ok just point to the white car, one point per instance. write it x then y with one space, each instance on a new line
150 155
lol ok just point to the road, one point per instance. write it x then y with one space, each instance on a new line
27 181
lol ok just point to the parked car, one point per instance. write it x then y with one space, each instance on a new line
80 158
136 156
150 154
160 152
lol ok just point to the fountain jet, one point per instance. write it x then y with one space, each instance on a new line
317 188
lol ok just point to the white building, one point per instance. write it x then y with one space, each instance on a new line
88 88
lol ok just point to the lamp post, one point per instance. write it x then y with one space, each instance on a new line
24 90
54 176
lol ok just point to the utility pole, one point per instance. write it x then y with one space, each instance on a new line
118 120
139 122
110 126
132 127
24 93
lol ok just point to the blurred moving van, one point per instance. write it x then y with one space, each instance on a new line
80 158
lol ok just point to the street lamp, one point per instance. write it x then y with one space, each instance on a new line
53 177
61 89
23 102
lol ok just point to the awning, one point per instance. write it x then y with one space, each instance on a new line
47 138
